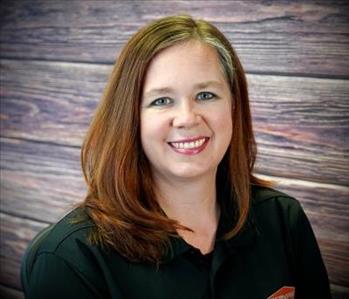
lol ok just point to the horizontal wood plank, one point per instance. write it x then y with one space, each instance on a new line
16 233
301 124
301 127
9 293
339 292
307 37
40 181
327 209
50 101
322 202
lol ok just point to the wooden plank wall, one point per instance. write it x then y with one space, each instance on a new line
55 60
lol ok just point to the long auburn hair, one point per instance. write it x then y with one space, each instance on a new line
121 199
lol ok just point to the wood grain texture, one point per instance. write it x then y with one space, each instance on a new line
9 293
270 36
54 102
16 233
40 181
50 101
301 124
339 292
327 209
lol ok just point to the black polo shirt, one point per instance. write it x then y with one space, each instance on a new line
276 249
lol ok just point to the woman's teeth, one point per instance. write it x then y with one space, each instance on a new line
188 145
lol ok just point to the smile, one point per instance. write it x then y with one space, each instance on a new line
190 147
192 144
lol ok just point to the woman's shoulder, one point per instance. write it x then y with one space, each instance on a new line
63 263
275 212
268 196
268 202
64 235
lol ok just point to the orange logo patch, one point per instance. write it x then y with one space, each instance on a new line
283 293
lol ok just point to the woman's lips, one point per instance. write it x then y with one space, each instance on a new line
190 146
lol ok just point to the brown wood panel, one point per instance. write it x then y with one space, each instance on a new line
308 37
301 127
300 123
9 293
339 292
16 233
50 101
335 255
327 208
39 181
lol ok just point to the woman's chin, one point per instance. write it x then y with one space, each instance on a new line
192 173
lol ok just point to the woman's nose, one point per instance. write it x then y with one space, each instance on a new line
186 116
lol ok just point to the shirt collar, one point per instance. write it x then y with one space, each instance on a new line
177 247
245 238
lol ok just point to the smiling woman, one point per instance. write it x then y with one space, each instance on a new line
173 208
186 126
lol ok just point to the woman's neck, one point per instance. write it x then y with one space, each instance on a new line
193 204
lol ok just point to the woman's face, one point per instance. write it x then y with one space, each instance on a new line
186 122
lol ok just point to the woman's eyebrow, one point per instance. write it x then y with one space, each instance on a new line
155 91
165 90
206 84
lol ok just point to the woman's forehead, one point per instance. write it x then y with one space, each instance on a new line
192 61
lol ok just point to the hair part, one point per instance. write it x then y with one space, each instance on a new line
121 199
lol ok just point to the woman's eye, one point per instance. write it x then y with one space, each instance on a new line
205 96
161 102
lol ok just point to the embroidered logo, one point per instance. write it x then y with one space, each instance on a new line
283 293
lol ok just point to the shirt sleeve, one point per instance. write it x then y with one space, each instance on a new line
312 280
52 277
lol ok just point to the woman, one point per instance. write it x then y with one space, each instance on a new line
173 209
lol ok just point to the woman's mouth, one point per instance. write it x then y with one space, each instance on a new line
189 146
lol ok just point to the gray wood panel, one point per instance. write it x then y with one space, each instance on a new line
339 292
327 208
39 181
270 36
300 123
50 101
9 293
15 236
